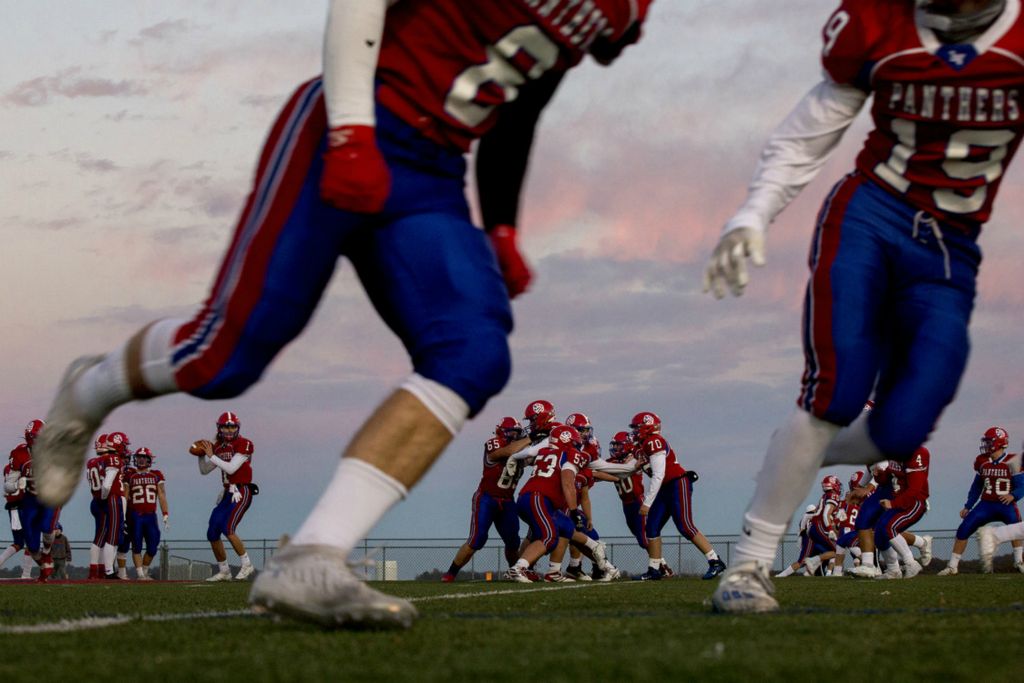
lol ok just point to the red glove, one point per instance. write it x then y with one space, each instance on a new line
355 177
513 266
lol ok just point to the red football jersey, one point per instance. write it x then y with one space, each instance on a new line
824 514
850 511
142 490
17 495
446 66
997 475
546 478
94 475
496 480
653 444
226 450
947 117
113 460
910 479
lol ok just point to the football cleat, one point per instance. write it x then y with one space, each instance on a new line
314 583
651 574
715 567
986 548
911 569
926 551
558 577
245 572
64 441
948 571
745 588
892 571
666 571
1019 566
449 578
577 574
865 571
812 564
609 573
600 558
520 575
219 576
144 577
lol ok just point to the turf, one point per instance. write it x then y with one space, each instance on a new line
931 627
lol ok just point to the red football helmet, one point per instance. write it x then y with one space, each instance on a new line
644 424
994 439
101 445
509 429
619 446
582 424
32 431
539 414
227 426
562 436
857 479
143 458
117 442
832 483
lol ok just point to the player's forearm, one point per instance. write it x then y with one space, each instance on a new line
162 497
108 483
529 451
229 466
622 469
797 150
205 465
351 47
974 493
569 488
508 449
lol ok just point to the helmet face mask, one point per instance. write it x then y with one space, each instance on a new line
831 483
32 430
509 429
644 424
228 426
993 440
619 445
582 425
143 458
539 415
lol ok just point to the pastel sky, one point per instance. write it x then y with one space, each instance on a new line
128 143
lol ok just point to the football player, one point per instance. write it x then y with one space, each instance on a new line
893 258
118 442
494 500
97 507
907 506
112 496
818 545
13 495
669 496
630 489
998 485
231 453
861 486
145 489
798 566
367 161
37 519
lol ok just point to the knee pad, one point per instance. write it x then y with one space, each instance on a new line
476 365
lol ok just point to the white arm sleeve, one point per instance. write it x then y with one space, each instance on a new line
529 451
109 475
231 466
351 46
619 469
796 151
11 481
205 465
657 476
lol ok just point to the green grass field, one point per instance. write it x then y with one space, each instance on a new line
930 628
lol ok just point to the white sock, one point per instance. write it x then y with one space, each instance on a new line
140 572
711 555
522 564
156 354
591 543
94 554
575 561
1010 532
223 567
104 386
109 553
26 565
1018 555
790 465
900 544
8 554
856 552
356 499
867 559
245 559
837 570
655 563
554 566
954 561
918 541
122 572
853 445
892 558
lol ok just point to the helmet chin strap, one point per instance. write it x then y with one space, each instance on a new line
956 27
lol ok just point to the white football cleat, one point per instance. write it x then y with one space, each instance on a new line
58 454
219 576
245 572
812 564
600 558
926 551
518 575
745 587
986 548
864 571
609 573
892 571
558 577
948 571
911 569
314 583
1019 566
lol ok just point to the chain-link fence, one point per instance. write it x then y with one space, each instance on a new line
404 559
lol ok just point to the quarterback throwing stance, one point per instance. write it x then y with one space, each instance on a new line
893 258
368 162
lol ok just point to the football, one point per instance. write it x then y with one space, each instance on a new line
198 447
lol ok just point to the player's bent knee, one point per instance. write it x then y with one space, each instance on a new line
212 535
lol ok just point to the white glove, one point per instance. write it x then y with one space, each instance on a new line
167 522
728 262
236 495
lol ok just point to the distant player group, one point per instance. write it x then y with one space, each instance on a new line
126 490
555 504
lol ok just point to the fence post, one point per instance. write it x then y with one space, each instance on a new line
679 555
384 563
165 562
264 554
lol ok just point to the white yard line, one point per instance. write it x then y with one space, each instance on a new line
513 591
88 623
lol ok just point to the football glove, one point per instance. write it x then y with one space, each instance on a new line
167 522
728 263
355 176
513 266
579 520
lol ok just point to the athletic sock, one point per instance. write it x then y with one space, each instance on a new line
954 561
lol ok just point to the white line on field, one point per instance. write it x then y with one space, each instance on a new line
87 623
512 591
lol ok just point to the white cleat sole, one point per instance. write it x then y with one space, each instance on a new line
58 455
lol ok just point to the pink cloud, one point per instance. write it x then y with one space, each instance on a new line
68 83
